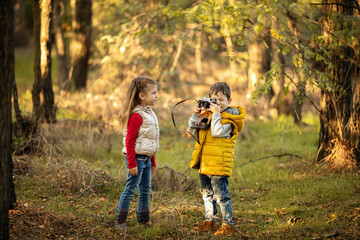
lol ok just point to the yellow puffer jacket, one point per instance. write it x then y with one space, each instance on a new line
215 156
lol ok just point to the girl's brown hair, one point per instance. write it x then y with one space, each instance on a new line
137 86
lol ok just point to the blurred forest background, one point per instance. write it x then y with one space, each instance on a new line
293 66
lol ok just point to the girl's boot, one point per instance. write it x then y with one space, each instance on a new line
121 219
143 216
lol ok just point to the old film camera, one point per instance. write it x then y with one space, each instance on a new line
205 116
204 103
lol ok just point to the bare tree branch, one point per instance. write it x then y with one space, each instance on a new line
270 156
82 193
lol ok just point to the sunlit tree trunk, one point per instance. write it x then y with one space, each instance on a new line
81 41
224 29
6 87
339 137
63 66
259 59
42 12
45 61
301 84
278 86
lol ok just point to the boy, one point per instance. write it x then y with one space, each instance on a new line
214 156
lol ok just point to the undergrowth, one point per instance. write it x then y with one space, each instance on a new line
70 189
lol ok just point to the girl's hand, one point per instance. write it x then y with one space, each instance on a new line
133 171
153 170
197 110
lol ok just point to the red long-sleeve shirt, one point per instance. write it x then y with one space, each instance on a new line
134 124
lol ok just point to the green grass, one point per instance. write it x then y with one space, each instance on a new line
276 198
24 69
24 77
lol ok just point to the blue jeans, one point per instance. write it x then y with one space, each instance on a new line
142 182
214 189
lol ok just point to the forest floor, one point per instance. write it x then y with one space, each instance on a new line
69 188
68 179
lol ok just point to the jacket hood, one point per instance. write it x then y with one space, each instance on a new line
237 119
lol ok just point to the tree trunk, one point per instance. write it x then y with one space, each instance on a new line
21 38
6 86
63 66
224 29
259 59
339 137
81 41
45 62
278 87
36 90
299 100
42 63
283 104
298 96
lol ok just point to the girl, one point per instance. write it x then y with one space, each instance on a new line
141 142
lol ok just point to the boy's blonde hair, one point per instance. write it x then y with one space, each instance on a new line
138 85
220 87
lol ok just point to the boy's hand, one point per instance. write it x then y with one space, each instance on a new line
133 171
197 110
153 170
214 108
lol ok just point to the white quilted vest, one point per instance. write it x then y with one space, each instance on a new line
147 141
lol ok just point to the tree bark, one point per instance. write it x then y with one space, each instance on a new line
224 29
301 85
278 87
298 103
6 86
21 38
36 90
60 46
42 12
341 109
259 59
81 41
45 62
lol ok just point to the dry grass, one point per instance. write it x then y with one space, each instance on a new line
341 159
59 193
167 179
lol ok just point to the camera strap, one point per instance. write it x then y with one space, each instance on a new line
173 119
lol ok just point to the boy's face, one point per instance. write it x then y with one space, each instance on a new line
221 100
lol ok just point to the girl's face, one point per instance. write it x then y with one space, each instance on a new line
148 96
221 100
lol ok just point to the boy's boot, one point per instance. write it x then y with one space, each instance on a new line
224 230
121 219
143 216
205 226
